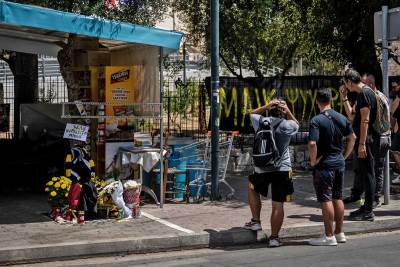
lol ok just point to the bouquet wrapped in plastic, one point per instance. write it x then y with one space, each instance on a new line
132 191
116 190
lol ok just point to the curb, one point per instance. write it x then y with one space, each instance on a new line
49 252
207 238
350 228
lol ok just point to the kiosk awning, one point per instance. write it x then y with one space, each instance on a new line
38 29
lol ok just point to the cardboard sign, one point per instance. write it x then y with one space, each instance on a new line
76 132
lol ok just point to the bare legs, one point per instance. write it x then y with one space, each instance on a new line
339 215
332 211
255 203
277 215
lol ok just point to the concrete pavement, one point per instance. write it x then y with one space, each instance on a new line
27 235
377 249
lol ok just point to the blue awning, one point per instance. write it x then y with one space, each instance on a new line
34 17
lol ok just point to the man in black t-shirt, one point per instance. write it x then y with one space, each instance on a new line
380 151
365 112
327 155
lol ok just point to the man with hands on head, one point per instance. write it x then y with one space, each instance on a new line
279 174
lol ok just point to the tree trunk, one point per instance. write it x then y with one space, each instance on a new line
25 70
65 59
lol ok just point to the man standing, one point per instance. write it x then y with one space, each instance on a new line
365 113
279 174
327 156
380 149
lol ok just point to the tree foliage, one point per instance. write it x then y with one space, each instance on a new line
254 35
146 12
340 31
258 34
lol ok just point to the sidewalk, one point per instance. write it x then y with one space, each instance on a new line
27 235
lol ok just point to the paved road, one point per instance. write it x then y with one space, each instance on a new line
382 249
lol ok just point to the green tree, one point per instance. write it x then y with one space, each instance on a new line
145 12
254 35
340 32
258 34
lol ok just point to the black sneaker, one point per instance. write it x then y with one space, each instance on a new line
357 212
365 216
351 199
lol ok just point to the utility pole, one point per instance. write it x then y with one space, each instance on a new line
214 98
385 87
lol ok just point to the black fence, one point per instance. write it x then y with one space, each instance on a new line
51 89
187 105
186 108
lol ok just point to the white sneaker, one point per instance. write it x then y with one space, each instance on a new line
323 241
274 243
396 180
340 238
252 225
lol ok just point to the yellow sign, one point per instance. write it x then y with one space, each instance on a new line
119 90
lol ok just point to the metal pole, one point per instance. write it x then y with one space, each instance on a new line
385 87
184 63
215 98
161 131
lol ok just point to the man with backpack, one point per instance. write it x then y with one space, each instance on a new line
272 164
380 148
369 124
327 156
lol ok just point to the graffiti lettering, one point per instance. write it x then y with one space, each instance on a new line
302 102
227 108
238 99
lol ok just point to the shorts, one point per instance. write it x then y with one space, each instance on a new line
395 142
281 184
328 184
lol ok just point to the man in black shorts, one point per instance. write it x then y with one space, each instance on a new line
327 156
279 176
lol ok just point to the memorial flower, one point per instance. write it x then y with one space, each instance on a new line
57 189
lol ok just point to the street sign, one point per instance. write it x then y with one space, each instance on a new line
393 25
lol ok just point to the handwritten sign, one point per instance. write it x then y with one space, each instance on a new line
76 132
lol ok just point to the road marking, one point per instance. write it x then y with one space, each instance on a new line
167 223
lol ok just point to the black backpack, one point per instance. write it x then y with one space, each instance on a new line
265 151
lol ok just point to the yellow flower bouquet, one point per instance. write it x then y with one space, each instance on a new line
57 189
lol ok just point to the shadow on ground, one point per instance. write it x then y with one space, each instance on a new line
23 207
